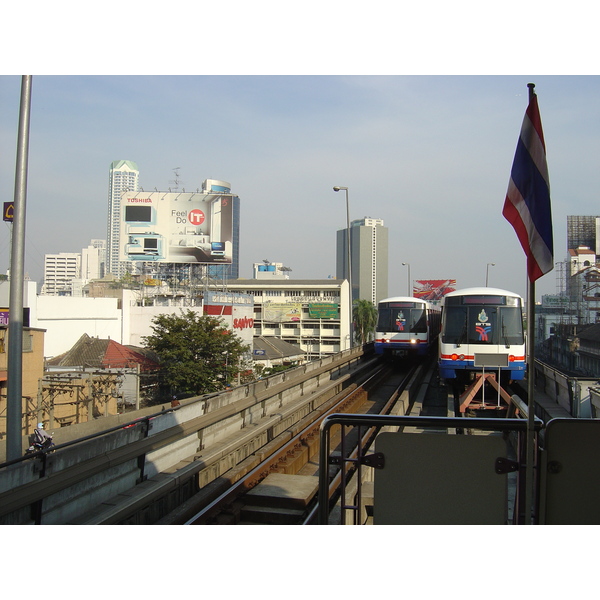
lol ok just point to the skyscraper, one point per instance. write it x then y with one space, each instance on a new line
232 271
123 177
369 258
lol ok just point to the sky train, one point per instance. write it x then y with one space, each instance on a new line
406 326
482 329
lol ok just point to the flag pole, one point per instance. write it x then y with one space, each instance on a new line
527 208
529 474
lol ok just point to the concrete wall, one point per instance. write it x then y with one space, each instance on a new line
137 320
66 319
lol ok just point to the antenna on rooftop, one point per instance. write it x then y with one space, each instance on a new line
175 181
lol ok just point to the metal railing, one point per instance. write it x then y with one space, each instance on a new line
352 462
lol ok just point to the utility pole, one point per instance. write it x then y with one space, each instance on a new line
14 409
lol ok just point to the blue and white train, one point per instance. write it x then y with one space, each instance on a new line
482 329
406 326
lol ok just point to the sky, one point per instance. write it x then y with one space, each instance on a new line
428 150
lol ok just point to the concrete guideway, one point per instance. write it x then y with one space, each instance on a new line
111 476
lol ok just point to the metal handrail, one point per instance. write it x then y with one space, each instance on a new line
358 420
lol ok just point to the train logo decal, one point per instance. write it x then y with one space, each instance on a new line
483 328
400 320
484 332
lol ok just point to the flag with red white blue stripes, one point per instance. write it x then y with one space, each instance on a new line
527 203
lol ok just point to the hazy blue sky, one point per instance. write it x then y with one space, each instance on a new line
431 155
428 153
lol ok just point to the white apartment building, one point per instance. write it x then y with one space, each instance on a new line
123 177
59 272
66 273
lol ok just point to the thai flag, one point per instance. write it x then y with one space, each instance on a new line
527 204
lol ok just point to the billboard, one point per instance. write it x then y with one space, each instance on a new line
281 312
433 290
176 227
323 310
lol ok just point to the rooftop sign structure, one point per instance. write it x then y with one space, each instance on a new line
177 227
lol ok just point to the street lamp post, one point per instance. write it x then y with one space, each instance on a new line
409 282
487 268
337 188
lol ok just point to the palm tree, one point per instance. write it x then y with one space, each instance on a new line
364 315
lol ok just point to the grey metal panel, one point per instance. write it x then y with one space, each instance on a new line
570 474
438 479
481 359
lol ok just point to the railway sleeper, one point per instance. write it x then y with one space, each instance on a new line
279 499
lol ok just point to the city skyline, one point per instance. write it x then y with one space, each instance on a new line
430 155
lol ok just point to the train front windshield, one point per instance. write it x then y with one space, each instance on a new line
409 317
494 320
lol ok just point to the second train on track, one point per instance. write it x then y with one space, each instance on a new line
406 326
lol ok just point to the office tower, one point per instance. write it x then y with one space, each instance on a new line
369 258
232 271
123 177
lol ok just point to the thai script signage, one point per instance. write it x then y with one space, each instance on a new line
323 310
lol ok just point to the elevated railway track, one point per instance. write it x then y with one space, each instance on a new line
140 468
275 452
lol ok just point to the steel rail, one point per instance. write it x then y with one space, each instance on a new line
250 479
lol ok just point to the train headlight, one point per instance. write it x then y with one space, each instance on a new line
458 357
413 341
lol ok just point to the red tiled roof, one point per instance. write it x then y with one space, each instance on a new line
118 356
103 354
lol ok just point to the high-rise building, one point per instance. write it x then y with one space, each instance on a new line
123 177
232 271
583 231
368 256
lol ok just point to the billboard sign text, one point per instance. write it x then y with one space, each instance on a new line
177 227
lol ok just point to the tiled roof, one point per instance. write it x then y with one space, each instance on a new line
95 353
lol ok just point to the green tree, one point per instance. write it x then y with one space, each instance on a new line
364 315
198 354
